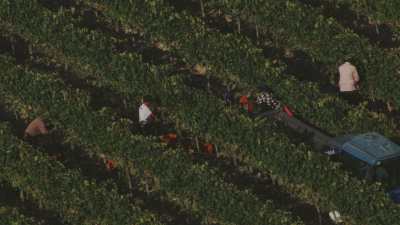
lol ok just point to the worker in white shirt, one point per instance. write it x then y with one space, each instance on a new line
150 117
145 113
348 82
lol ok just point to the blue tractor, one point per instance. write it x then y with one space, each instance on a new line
369 156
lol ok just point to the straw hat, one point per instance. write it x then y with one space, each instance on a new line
228 18
161 46
199 69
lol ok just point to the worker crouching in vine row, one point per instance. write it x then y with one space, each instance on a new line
263 101
35 128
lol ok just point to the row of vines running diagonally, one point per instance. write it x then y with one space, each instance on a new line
83 65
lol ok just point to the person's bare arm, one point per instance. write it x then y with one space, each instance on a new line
356 78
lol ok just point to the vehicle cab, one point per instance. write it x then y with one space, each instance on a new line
370 156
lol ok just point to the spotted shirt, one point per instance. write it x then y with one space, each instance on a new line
267 99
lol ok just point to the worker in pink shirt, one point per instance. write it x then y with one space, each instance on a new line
37 133
348 82
35 128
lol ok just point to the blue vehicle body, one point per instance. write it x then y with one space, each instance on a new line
372 149
367 153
